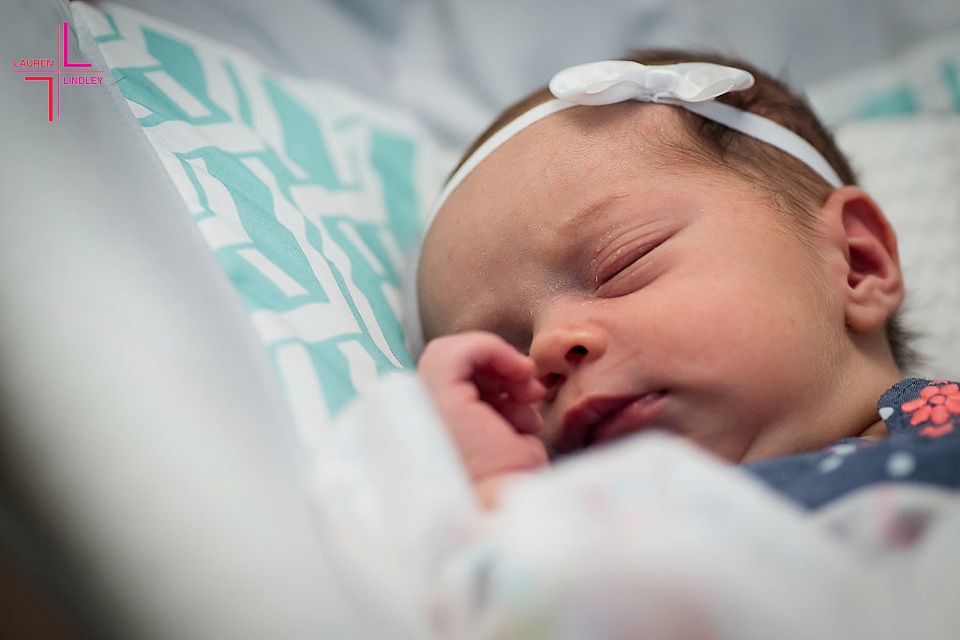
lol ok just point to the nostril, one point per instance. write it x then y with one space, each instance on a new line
576 354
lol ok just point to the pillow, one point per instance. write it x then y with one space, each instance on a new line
924 79
308 194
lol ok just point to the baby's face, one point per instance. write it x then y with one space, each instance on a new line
649 295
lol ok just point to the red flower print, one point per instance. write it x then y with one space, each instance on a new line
938 402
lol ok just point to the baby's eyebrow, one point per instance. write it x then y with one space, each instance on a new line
592 214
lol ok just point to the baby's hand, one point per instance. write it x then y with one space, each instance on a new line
485 391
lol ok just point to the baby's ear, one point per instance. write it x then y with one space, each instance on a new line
874 282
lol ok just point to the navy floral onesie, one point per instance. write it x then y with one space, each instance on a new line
923 417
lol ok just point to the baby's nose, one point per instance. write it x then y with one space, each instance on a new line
559 351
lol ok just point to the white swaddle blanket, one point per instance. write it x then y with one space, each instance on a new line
648 538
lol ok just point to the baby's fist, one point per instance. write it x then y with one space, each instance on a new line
486 392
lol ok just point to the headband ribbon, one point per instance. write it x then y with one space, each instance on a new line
690 85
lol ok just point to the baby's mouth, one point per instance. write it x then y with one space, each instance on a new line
599 419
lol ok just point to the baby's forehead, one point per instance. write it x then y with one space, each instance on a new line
575 136
654 121
579 138
572 162
552 174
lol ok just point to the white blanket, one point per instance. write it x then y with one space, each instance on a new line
648 538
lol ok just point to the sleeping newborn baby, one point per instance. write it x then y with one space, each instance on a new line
673 243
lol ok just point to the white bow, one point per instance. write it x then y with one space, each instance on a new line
610 81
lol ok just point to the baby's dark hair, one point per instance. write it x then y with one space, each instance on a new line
796 190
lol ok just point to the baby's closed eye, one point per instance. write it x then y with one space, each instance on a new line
626 271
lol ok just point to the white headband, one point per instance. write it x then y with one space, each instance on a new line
691 85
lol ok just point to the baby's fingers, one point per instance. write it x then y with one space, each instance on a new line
521 415
525 390
486 368
467 356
